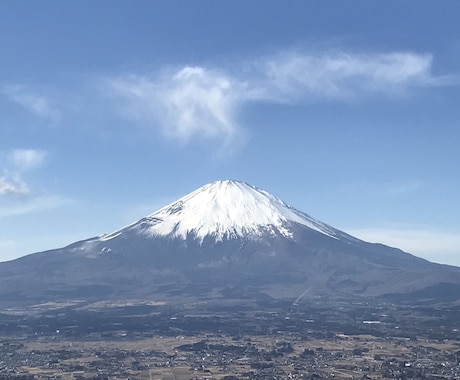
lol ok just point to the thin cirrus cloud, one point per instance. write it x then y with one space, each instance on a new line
31 101
25 159
344 76
34 204
406 188
196 101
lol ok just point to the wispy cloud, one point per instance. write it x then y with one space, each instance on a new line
343 76
404 188
190 102
440 246
17 197
34 204
385 189
14 163
202 102
31 101
25 159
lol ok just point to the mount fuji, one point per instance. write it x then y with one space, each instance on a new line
227 239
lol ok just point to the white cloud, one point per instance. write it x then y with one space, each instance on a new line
15 163
200 102
437 246
26 98
191 102
25 159
13 185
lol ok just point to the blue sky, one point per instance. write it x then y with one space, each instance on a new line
346 110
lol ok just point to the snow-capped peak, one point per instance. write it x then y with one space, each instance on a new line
227 209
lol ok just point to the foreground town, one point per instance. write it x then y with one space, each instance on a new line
206 341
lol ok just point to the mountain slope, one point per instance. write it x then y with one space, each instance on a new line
225 235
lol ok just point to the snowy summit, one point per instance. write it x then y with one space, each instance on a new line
226 210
